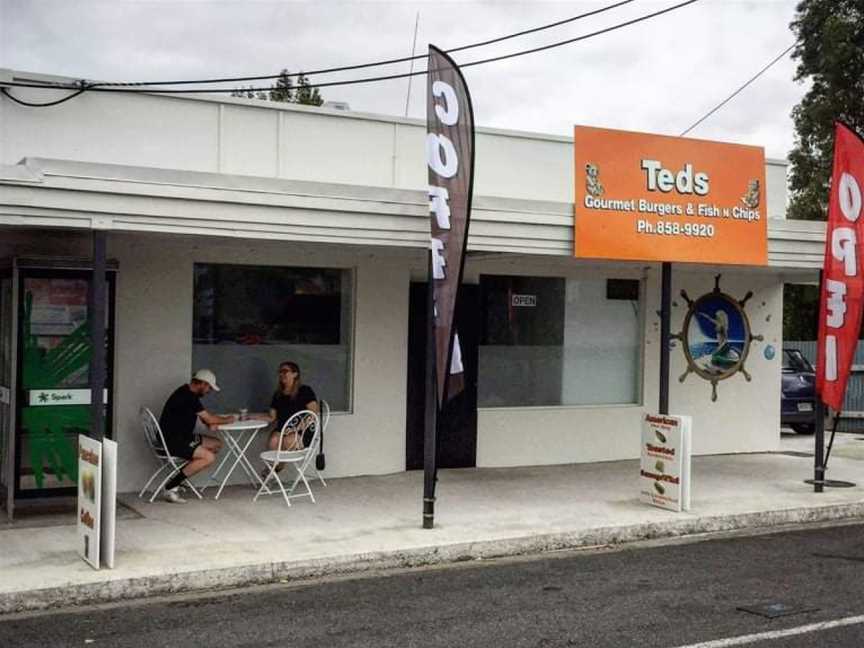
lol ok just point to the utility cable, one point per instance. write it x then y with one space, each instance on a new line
581 38
389 77
738 91
31 104
360 66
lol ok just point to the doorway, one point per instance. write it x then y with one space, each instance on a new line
52 395
457 429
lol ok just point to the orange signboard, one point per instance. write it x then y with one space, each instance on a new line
646 197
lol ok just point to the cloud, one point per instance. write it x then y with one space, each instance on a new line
657 76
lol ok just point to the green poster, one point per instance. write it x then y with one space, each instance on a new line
51 430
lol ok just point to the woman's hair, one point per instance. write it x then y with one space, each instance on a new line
293 366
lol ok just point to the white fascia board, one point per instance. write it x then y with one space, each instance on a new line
20 173
60 193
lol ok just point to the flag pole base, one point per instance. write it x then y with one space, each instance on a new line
831 483
428 512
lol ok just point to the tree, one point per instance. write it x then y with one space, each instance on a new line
830 54
284 91
800 305
305 94
248 92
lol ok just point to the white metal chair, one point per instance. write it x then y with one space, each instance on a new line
325 420
156 441
300 459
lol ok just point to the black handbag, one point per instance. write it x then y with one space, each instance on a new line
320 461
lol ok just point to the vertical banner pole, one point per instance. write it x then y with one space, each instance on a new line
97 309
430 430
841 287
819 427
665 333
819 450
450 162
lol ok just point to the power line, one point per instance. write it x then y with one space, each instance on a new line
734 94
94 88
581 38
31 104
360 66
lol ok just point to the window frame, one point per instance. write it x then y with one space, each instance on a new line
348 332
582 274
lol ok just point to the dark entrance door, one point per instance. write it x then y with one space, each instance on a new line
457 431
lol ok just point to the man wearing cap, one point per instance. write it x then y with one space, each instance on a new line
179 416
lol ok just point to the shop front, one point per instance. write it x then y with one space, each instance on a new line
231 252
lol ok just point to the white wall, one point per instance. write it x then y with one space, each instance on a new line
746 415
153 349
155 343
776 189
244 137
745 418
259 138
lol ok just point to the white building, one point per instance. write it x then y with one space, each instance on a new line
222 213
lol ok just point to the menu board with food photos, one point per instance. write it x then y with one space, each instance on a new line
89 498
97 500
664 475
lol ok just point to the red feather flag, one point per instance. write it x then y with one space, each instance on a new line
842 291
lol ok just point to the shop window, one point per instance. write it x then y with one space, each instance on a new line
248 319
522 311
551 341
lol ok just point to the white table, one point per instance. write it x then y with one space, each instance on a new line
238 436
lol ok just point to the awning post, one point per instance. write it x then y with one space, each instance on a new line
665 334
97 308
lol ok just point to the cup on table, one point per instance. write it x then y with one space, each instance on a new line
244 413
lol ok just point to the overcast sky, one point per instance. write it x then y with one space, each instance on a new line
658 76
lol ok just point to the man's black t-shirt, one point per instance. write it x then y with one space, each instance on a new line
286 406
179 416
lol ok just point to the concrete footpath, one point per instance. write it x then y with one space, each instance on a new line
366 523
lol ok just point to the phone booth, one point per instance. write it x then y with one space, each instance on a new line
45 392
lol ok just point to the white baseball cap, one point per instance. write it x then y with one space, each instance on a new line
205 375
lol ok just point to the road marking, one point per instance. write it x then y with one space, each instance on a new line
777 634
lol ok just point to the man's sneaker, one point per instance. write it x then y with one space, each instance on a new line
173 495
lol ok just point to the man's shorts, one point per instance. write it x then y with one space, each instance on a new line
183 449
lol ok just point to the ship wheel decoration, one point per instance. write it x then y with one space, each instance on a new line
716 336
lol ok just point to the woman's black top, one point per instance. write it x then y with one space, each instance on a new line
287 406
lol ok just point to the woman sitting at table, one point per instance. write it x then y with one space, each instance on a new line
291 396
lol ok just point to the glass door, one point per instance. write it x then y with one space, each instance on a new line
54 372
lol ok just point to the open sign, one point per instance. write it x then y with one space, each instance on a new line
529 301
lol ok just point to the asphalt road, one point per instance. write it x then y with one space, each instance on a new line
656 596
